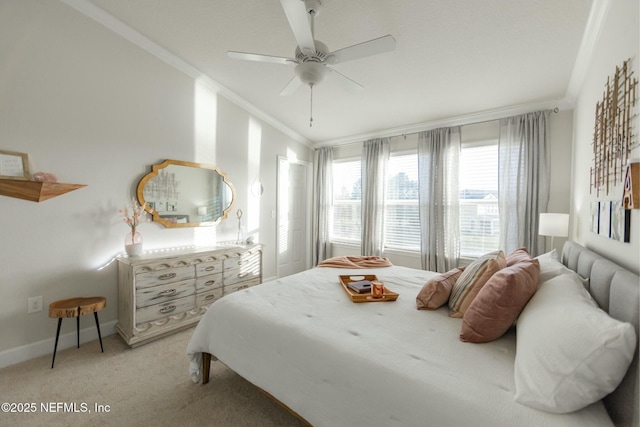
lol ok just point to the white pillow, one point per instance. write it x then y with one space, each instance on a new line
550 267
569 353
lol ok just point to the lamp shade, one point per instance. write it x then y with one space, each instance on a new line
554 224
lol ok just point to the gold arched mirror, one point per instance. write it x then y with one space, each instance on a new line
185 194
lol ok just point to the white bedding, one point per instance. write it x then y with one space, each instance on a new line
338 363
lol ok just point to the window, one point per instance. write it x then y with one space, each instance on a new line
478 185
479 214
347 196
402 216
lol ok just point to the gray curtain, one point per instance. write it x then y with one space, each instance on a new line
438 160
322 196
375 154
523 180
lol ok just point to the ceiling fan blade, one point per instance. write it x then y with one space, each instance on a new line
372 47
344 81
291 87
300 23
261 58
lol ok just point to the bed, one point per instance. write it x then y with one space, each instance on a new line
333 362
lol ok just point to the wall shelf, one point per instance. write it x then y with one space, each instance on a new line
35 191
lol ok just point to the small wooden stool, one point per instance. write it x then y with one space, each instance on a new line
76 307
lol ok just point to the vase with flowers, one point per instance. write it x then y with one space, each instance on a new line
133 216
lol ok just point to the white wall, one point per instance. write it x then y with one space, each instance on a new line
95 109
618 42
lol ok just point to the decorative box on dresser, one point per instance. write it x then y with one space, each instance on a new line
162 293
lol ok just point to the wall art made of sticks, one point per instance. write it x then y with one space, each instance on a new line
614 136
164 186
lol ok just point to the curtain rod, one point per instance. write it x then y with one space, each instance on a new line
472 119
553 110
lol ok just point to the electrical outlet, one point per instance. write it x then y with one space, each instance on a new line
34 304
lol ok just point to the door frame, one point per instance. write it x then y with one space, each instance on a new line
309 198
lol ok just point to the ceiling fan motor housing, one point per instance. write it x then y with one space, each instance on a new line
321 54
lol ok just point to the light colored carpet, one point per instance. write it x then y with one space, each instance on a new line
145 386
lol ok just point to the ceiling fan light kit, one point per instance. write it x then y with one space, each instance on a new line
312 56
311 73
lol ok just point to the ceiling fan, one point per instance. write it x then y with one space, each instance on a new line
312 57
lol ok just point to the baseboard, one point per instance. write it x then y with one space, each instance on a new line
40 348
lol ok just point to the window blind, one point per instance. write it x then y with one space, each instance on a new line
401 218
345 222
479 214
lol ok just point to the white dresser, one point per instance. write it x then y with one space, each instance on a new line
164 292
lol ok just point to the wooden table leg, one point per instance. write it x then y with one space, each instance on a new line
206 367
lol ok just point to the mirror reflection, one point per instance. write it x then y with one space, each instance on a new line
185 194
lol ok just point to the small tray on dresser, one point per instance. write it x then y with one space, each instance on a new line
366 297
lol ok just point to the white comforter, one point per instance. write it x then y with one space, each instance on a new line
338 363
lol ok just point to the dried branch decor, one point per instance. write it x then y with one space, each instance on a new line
613 136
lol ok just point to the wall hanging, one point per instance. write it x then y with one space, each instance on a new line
613 136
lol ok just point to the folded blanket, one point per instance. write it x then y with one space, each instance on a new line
356 262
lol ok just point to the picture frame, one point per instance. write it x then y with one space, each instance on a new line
595 217
605 219
620 222
14 165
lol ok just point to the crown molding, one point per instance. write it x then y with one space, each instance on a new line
595 23
123 30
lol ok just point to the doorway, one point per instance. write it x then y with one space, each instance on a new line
293 216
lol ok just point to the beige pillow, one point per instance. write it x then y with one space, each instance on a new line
500 301
435 293
472 279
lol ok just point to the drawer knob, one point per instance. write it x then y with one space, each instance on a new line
209 297
242 275
167 309
167 276
167 293
209 282
210 268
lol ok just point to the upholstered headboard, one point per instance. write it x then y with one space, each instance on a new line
617 291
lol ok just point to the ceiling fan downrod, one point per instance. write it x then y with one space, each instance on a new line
311 106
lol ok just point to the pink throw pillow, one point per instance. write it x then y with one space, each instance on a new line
500 301
520 254
435 293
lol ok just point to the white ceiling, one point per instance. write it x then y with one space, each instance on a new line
453 58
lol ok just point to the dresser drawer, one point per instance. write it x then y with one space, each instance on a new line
206 268
162 293
240 285
243 260
207 298
239 275
169 275
165 309
207 283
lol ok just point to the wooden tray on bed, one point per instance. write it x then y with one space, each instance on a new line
367 297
